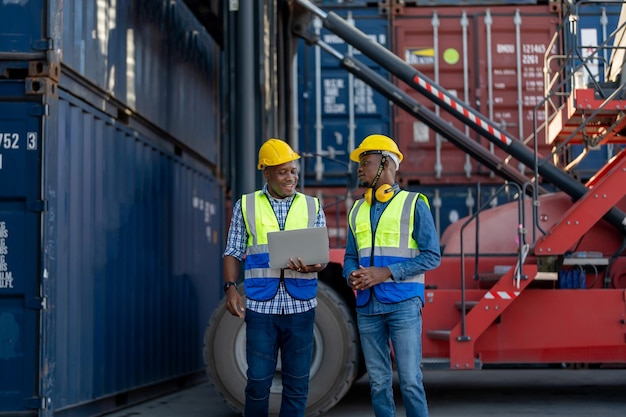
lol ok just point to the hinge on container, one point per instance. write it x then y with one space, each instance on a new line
37 206
35 403
43 44
38 110
36 303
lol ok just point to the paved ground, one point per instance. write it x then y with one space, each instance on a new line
483 393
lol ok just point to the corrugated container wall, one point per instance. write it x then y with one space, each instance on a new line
331 4
470 50
152 56
337 110
449 203
489 57
111 208
399 4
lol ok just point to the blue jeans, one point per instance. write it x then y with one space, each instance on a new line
402 324
265 335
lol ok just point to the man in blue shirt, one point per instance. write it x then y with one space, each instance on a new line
392 242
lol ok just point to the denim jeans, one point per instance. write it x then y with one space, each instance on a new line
400 323
265 335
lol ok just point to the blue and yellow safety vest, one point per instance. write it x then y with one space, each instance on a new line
261 282
392 243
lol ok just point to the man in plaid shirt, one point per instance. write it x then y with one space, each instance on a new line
280 303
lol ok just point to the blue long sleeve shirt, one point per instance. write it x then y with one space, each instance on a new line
425 235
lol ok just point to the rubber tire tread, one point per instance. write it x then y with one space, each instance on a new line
224 352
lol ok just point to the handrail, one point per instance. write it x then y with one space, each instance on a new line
559 84
522 246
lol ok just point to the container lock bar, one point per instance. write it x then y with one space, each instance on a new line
36 303
35 403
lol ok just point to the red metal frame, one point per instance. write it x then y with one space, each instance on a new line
533 320
609 118
606 193
536 326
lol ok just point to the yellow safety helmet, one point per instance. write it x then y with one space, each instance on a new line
376 143
275 152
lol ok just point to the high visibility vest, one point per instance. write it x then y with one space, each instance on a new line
261 282
392 243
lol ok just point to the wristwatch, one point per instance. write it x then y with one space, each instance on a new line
229 284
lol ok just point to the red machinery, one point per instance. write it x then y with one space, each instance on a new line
560 294
540 280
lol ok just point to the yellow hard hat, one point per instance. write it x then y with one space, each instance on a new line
275 152
376 143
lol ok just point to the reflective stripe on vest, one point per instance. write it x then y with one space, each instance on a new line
392 243
261 282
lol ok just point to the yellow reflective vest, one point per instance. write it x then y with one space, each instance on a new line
261 282
392 243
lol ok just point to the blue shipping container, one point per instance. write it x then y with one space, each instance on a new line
152 56
20 250
342 3
111 212
336 110
106 242
450 204
24 29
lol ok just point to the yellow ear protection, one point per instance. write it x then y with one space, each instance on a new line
382 194
385 191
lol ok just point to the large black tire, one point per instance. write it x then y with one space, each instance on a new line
333 369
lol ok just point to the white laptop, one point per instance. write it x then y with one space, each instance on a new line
310 244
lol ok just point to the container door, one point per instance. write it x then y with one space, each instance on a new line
20 209
337 110
21 29
489 58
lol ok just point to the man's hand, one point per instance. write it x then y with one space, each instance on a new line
234 302
299 266
364 278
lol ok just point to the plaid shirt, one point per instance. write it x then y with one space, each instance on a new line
282 303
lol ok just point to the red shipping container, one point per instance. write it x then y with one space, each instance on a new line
492 59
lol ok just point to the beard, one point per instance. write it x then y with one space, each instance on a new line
365 183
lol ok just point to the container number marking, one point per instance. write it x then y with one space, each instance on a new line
31 141
10 140
6 275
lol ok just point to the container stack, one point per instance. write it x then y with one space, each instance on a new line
111 212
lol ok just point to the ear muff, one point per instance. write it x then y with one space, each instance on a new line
383 193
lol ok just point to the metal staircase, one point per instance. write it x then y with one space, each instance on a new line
592 116
481 316
588 118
